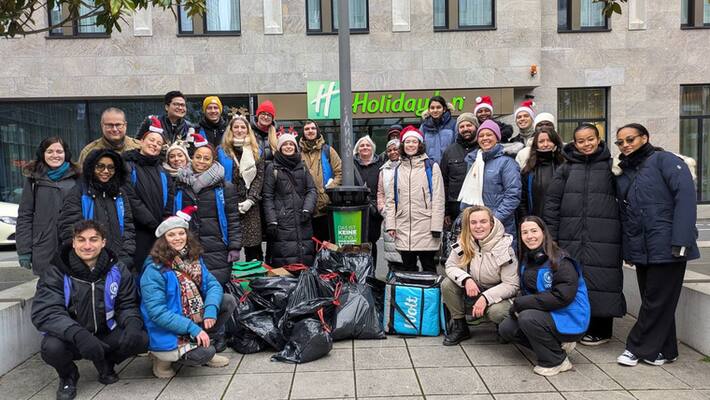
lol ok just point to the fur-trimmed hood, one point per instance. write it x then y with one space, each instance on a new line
449 108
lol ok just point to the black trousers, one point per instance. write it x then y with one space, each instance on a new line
536 330
409 260
654 332
602 327
320 228
60 354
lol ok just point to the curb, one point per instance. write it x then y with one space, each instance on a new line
703 243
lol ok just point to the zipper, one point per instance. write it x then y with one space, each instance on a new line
587 170
409 189
93 306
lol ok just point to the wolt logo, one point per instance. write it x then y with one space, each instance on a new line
323 100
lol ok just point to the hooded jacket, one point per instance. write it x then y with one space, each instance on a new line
385 186
287 192
311 153
414 211
438 134
105 198
453 170
37 216
171 132
494 267
87 309
368 175
582 214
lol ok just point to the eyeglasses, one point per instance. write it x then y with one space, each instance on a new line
101 167
178 105
115 126
628 140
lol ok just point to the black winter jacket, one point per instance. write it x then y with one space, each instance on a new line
535 185
171 132
561 294
104 197
149 205
86 309
264 147
205 224
283 205
582 214
453 171
213 132
369 175
37 216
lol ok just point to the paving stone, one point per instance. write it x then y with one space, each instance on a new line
382 358
336 360
391 341
529 396
259 363
495 354
264 386
343 344
582 378
234 359
133 389
670 394
687 354
196 387
442 356
594 395
27 379
460 397
695 374
418 341
87 388
139 368
513 379
316 385
450 381
578 358
396 398
604 353
386 382
484 334
642 377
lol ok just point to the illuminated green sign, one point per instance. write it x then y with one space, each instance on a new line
398 102
323 99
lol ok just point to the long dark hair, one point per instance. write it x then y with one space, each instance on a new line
557 157
637 127
38 165
162 253
551 249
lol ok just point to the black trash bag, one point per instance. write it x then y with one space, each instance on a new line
378 293
448 238
307 288
356 315
263 324
239 337
308 341
276 290
345 263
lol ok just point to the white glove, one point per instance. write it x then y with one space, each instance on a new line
245 205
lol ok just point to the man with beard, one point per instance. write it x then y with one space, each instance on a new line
113 135
454 167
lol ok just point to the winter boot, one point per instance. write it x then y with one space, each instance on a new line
459 332
218 361
162 369
67 385
107 375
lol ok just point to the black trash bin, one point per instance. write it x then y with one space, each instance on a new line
348 214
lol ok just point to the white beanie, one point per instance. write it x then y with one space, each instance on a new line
365 138
545 117
286 137
179 220
392 142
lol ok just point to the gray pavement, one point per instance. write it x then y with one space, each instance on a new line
395 368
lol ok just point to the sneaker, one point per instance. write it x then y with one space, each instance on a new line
551 371
218 361
568 347
590 340
660 360
67 386
162 369
627 358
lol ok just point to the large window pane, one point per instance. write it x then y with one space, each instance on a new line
694 100
439 13
475 13
88 25
704 178
314 17
706 12
55 17
185 21
575 106
357 12
222 16
562 15
591 14
684 12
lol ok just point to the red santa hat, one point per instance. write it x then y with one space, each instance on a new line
179 220
155 126
410 131
198 140
483 102
526 106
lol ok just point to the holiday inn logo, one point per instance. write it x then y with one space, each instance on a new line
323 99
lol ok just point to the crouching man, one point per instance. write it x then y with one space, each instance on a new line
482 266
87 307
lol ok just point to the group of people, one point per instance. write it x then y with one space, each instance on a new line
540 228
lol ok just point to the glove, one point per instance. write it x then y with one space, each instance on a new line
90 347
233 255
25 260
245 205
131 337
306 215
272 230
678 251
436 234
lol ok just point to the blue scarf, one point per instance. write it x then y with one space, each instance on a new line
57 173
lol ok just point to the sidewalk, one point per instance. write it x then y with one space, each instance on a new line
417 368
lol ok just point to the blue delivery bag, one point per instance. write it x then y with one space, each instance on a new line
412 304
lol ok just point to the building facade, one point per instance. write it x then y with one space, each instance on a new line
649 65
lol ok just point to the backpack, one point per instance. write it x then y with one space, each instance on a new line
428 166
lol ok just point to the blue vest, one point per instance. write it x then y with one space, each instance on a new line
221 213
574 318
163 182
87 208
226 162
113 280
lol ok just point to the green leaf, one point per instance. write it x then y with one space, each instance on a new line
616 7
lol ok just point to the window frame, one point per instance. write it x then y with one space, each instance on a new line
699 146
580 121
75 33
449 11
696 15
570 28
200 21
329 10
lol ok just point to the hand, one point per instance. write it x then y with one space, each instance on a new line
472 289
272 230
392 233
25 260
245 206
131 337
479 307
447 222
233 256
678 251
208 323
203 339
306 215
436 234
89 346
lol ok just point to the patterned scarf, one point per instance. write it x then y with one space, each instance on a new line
189 275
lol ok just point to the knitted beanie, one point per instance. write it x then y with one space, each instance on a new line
180 220
268 107
545 117
467 116
491 126
286 137
209 100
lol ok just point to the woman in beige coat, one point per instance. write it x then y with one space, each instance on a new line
415 208
482 266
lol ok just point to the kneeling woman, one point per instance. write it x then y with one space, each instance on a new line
553 311
481 266
182 302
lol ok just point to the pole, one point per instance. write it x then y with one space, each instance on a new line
346 96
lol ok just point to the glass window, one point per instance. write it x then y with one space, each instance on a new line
357 12
82 26
577 106
222 16
684 12
581 15
591 14
88 25
706 13
439 13
55 17
475 13
314 17
562 11
185 21
695 133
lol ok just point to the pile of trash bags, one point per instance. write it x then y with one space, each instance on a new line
300 317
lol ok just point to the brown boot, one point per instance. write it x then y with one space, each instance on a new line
162 369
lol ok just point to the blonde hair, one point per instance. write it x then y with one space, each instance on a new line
228 138
466 236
